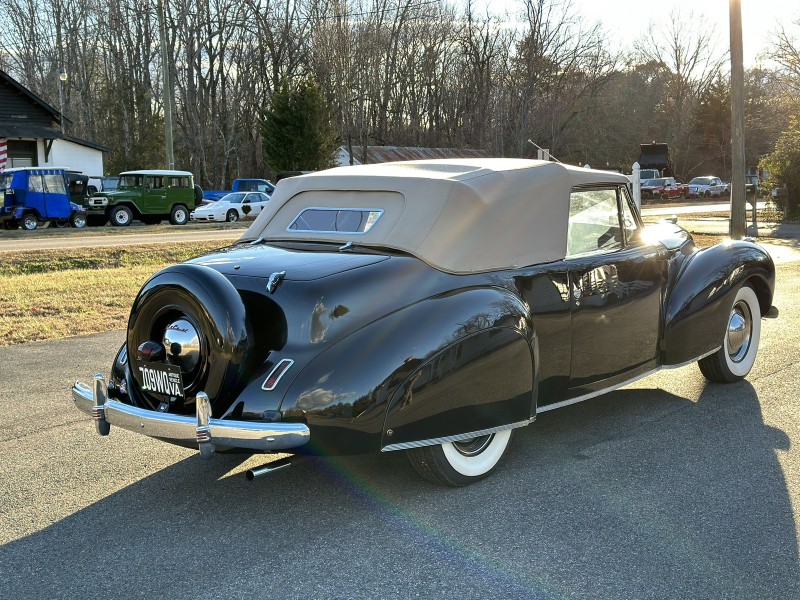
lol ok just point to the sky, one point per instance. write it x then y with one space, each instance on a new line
625 20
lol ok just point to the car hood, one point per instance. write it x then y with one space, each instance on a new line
262 260
213 205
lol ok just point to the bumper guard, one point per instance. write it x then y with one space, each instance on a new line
202 429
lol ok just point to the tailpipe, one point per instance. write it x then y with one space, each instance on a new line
271 467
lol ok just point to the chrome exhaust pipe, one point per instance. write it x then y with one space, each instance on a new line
269 468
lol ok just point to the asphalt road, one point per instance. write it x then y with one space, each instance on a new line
93 237
671 488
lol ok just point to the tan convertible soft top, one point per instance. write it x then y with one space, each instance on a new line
458 215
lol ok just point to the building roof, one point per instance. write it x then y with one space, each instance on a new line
162 172
458 215
25 115
382 154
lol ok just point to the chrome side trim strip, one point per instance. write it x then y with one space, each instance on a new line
454 438
595 394
694 360
185 429
622 384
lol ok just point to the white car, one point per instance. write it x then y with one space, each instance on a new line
232 207
707 186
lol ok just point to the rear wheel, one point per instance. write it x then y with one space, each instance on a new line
29 222
734 360
78 220
179 215
121 216
460 463
232 216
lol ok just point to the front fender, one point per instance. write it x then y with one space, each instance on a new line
699 301
437 367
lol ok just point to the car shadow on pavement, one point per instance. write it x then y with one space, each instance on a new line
637 494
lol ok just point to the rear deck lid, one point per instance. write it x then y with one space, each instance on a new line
262 260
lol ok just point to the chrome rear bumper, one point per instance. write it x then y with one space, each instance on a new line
201 429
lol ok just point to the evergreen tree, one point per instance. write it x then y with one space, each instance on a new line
783 165
296 130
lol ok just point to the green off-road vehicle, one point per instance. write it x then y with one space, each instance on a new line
149 196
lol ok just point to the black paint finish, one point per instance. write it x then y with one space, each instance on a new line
388 350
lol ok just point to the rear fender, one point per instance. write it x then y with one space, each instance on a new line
384 375
699 302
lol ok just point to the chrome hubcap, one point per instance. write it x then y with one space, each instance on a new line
474 446
182 344
740 327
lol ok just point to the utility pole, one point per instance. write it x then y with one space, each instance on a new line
61 79
738 226
167 95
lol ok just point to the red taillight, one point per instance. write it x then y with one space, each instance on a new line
275 375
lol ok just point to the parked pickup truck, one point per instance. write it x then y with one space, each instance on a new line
664 187
707 186
241 185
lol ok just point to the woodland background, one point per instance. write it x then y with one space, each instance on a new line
398 72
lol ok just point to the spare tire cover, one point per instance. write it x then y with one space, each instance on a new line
207 304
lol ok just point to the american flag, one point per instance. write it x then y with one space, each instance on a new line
3 154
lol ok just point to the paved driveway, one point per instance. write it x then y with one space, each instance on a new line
671 488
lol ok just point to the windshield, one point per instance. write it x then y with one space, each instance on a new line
701 181
5 181
110 184
647 182
235 198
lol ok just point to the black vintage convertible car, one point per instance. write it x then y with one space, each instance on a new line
430 307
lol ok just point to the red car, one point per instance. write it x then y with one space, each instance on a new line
664 187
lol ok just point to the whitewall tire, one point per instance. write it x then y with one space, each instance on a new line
461 463
742 335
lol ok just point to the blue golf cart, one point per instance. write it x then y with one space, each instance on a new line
34 195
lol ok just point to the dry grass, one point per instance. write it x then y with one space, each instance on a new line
62 293
704 240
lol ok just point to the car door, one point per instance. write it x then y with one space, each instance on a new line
154 196
258 202
615 283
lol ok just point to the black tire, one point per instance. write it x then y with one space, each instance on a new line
232 216
208 302
734 360
458 464
179 215
78 220
29 222
120 216
198 195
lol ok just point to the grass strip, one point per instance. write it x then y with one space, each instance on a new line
61 293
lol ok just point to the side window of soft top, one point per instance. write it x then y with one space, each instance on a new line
600 220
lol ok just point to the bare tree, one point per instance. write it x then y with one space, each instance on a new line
686 49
